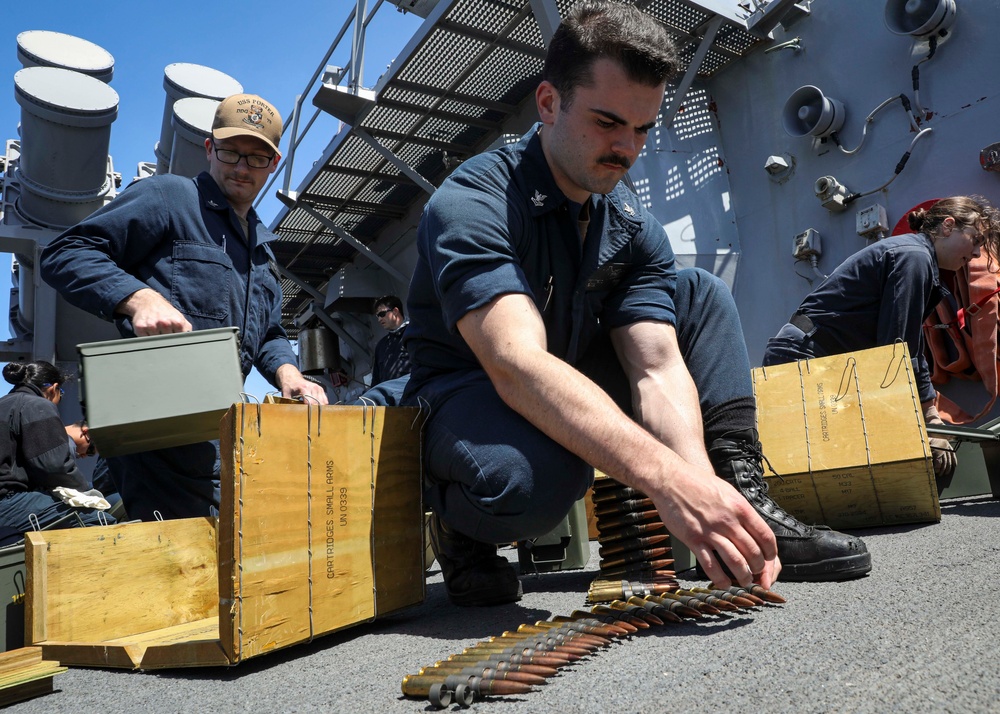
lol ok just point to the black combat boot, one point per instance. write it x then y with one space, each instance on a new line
807 553
473 572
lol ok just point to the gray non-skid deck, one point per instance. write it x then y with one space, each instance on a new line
917 635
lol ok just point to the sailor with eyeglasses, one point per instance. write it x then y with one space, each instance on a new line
173 254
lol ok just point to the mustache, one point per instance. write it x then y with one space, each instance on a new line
615 159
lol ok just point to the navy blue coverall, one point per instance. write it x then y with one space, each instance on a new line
35 458
881 294
180 237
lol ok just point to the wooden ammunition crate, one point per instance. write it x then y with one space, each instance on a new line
320 528
847 436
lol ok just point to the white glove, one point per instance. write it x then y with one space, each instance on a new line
81 499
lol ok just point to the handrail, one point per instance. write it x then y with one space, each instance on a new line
294 141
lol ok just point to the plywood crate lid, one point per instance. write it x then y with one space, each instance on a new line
111 595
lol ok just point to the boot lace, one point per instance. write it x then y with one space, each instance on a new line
756 454
754 450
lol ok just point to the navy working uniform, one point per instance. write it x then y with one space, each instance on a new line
881 294
391 359
35 458
180 237
500 225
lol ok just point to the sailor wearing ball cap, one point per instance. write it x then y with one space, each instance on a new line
173 254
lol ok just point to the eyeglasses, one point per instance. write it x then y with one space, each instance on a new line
254 161
91 449
49 384
382 313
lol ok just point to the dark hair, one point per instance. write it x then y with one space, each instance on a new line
37 374
968 211
592 30
390 301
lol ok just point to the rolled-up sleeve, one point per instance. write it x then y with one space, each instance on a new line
647 291
472 257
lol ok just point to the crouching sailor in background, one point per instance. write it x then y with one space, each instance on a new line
884 292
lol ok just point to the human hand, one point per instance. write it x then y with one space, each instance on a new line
720 527
151 314
944 459
294 384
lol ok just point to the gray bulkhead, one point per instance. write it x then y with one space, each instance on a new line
704 176
849 54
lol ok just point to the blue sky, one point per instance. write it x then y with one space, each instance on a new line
272 48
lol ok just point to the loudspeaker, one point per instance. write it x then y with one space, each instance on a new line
808 113
919 18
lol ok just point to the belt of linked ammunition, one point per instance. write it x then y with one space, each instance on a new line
633 592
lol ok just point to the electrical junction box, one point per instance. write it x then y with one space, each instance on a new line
872 222
806 244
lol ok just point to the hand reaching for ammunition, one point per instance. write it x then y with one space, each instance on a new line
720 527
294 384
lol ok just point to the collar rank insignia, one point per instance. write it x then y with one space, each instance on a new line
628 209
539 198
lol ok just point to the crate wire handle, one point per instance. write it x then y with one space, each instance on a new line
371 530
805 413
367 402
868 447
319 412
309 551
885 384
918 413
805 422
256 403
422 406
850 367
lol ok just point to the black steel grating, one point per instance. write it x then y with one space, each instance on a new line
452 95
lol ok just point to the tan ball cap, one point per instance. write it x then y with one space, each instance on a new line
247 115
